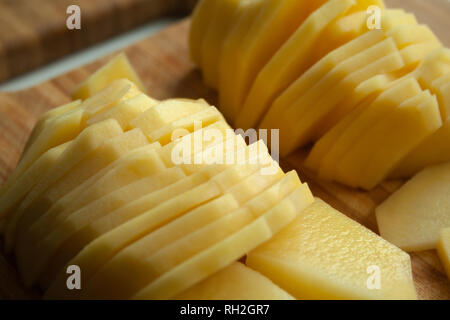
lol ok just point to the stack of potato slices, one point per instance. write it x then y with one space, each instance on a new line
373 99
146 197
161 200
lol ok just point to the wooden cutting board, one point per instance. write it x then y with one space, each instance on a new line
163 63
34 32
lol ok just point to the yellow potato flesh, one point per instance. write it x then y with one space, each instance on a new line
117 68
413 216
323 254
235 282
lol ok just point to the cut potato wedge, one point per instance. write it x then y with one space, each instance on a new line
413 216
117 68
323 254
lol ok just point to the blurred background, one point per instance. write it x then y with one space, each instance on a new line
36 44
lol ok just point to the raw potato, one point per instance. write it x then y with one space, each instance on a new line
29 243
117 68
361 120
230 249
126 111
223 17
98 213
68 125
235 282
298 133
106 220
306 74
232 44
148 259
145 214
435 149
27 180
89 140
201 19
131 166
276 22
413 216
290 61
164 113
418 121
46 118
443 249
323 254
95 161
311 77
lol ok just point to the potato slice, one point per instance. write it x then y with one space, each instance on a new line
131 166
89 140
98 211
201 19
117 68
125 111
323 254
62 129
363 95
363 119
317 72
417 122
413 216
353 25
28 242
165 113
28 179
232 43
235 282
223 253
98 159
85 235
128 219
274 25
45 119
148 259
300 125
443 249
223 17
191 123
288 63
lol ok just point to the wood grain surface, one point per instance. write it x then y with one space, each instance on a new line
34 32
163 63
